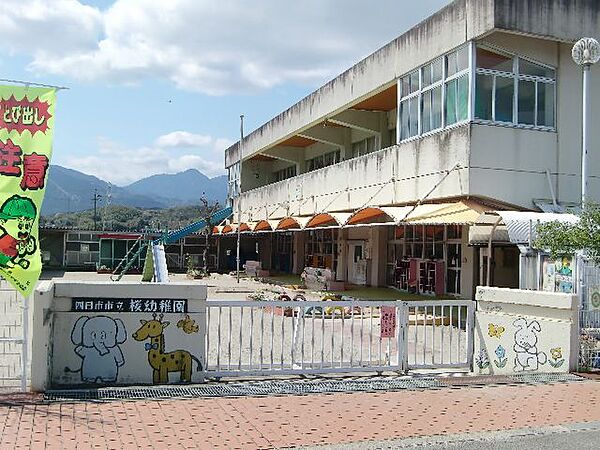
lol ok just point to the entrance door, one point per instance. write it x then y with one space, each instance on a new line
357 264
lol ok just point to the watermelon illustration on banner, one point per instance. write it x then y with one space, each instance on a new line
26 129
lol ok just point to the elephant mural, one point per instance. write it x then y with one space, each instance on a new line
97 342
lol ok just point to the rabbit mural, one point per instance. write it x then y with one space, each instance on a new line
527 358
97 342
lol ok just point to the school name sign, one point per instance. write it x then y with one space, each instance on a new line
26 132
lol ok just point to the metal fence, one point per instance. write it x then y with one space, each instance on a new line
589 317
440 334
304 337
590 285
13 338
589 340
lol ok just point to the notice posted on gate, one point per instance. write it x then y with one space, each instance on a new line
388 321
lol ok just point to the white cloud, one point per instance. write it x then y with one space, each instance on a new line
203 45
171 153
183 139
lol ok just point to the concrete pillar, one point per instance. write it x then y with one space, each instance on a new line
378 244
265 246
346 150
342 262
298 240
469 267
384 135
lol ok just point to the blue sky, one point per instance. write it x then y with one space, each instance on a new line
158 87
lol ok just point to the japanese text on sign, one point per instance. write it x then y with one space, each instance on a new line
388 321
21 115
127 305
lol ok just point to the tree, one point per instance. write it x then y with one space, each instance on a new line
562 239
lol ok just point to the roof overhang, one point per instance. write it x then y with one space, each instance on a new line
515 227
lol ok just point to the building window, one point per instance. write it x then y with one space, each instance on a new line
457 99
365 146
327 159
233 177
284 174
426 244
321 249
512 90
436 95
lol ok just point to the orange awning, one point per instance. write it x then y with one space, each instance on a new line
328 220
382 214
292 223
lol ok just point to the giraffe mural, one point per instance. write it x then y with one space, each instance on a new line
162 363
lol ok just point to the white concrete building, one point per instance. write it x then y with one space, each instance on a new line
379 173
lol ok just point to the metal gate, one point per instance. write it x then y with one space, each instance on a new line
305 337
13 339
589 318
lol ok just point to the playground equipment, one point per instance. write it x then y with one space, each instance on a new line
167 238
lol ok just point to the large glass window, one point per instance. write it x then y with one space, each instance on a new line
485 93
526 102
409 117
545 104
233 177
432 109
457 100
505 89
506 84
436 95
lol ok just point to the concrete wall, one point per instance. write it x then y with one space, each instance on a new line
509 164
453 25
565 20
59 359
416 166
458 22
525 332
532 152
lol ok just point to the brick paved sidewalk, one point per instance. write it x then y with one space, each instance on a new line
273 422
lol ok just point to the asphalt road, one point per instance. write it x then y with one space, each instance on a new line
580 436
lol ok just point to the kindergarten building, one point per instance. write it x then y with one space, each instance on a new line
381 174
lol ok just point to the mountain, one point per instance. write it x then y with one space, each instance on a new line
68 190
183 187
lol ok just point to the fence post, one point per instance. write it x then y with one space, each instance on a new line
203 335
470 334
25 344
403 337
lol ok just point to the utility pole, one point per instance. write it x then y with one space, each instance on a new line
239 197
96 198
585 53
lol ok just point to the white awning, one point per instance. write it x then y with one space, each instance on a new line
520 226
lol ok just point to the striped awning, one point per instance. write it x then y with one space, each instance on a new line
463 212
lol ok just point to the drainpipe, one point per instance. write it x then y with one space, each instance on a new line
490 258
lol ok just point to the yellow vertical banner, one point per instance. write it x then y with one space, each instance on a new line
26 130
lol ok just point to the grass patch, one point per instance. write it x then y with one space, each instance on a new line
283 279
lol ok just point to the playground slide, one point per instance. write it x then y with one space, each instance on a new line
174 236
